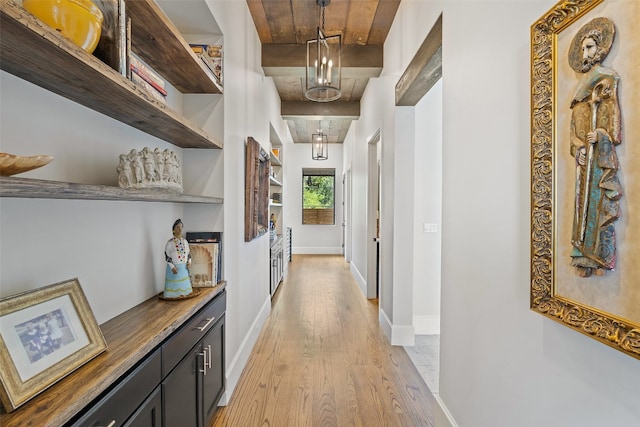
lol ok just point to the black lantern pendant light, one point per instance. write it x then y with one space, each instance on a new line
319 145
324 70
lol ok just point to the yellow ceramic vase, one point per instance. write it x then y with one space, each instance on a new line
78 20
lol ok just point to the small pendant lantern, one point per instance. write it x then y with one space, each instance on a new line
319 145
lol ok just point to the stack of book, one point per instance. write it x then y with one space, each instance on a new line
142 75
211 56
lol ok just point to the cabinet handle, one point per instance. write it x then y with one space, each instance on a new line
202 328
204 361
112 423
210 366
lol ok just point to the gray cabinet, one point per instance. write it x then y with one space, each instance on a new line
277 264
117 406
150 412
211 384
193 368
178 384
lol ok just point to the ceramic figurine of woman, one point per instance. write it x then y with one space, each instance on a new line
178 256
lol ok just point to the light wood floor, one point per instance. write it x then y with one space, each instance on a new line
322 360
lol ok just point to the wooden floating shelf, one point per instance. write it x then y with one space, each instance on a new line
156 39
37 188
38 54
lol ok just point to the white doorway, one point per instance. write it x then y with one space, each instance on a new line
373 217
346 216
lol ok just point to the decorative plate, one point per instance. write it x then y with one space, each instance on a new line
10 164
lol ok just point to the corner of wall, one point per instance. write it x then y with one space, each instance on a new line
362 283
240 359
442 416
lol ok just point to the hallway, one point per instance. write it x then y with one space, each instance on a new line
322 360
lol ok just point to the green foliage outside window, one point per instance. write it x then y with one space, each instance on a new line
318 192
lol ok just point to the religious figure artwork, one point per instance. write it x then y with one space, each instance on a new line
150 169
178 257
596 130
585 177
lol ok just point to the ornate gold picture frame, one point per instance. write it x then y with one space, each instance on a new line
45 334
585 187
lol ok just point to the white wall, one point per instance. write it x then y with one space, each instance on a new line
501 364
115 249
251 103
311 239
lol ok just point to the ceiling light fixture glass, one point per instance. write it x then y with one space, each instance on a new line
324 68
319 145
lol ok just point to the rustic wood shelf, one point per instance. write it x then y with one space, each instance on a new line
156 39
130 337
37 188
36 53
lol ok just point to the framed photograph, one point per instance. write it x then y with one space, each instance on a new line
585 177
45 334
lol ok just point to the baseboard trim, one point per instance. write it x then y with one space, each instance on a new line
234 370
442 416
316 251
362 283
400 335
427 325
403 335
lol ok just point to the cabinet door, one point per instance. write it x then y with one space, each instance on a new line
149 414
212 380
179 400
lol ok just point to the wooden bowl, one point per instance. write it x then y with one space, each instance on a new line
10 164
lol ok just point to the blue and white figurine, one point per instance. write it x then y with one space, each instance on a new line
177 283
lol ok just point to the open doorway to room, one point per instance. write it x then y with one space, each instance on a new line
346 216
427 244
421 87
373 217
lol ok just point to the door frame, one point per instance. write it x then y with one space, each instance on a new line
373 215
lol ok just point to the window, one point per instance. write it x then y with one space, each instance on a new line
318 196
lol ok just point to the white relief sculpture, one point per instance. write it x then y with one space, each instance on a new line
150 169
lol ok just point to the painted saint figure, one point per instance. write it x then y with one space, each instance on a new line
596 130
178 257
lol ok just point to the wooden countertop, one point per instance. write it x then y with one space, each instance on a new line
130 337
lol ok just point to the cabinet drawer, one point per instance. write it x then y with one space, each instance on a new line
122 401
189 334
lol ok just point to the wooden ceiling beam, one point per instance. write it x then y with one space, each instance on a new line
319 110
295 55
424 70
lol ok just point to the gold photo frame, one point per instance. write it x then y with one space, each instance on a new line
45 334
593 291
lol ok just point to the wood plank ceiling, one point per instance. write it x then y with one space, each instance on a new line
284 26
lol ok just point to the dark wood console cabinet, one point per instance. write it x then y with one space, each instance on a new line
164 366
179 384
